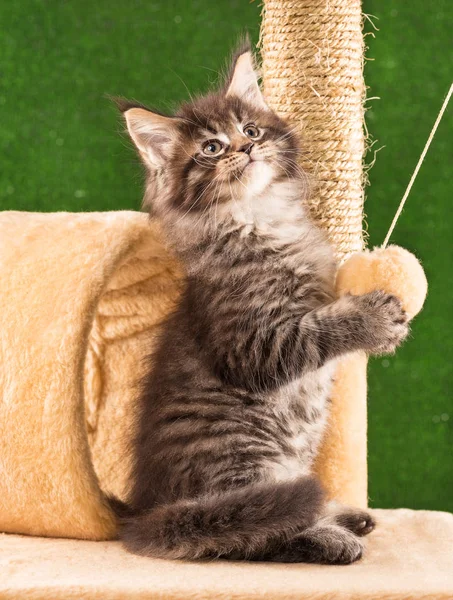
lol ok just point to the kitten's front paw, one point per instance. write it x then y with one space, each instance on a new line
386 323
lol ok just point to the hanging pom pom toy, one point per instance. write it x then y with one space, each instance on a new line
391 269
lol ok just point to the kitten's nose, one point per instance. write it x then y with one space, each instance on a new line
247 148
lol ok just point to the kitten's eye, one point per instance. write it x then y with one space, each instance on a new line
251 131
212 148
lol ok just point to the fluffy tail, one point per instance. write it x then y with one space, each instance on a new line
120 508
237 523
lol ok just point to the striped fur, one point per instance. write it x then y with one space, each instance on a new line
235 398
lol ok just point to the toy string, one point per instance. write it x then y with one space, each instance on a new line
417 168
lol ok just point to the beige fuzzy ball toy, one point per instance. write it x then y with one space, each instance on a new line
393 270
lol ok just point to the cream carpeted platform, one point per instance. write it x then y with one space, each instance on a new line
409 557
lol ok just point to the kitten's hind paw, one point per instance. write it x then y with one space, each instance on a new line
358 521
324 544
331 545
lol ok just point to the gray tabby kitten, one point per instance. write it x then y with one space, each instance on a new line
235 402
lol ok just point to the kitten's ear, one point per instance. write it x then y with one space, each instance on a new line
243 80
153 134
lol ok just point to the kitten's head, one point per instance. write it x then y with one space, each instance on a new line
225 147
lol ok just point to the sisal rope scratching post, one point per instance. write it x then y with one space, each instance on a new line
312 54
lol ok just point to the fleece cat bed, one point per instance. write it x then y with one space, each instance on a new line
81 297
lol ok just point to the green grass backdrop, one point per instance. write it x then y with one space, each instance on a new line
61 149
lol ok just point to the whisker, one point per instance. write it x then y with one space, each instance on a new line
241 182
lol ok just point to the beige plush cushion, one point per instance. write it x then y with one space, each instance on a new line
80 298
409 557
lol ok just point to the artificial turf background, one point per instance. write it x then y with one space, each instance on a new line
61 149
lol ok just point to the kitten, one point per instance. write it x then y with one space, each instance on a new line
235 401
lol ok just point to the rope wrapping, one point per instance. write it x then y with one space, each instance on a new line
313 76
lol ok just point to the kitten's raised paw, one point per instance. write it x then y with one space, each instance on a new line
386 323
358 521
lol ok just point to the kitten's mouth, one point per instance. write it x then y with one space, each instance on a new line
248 168
252 162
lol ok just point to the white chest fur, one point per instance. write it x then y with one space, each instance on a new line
275 212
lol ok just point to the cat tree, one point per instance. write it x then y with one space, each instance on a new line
81 296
